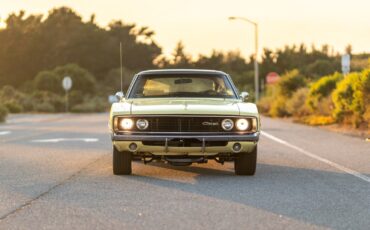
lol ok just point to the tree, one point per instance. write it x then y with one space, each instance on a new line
31 44
290 82
48 81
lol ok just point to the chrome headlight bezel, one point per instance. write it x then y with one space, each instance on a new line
225 126
145 123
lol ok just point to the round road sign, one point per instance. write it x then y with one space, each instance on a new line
67 83
272 78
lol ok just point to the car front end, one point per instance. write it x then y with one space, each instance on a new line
180 128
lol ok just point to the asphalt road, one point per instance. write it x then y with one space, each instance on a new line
56 173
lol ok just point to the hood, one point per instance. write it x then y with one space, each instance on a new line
203 106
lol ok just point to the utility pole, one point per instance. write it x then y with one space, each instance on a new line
255 56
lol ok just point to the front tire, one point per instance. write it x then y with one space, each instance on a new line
245 163
121 162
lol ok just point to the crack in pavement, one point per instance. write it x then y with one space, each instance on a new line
29 202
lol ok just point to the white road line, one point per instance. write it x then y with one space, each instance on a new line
326 161
56 140
4 133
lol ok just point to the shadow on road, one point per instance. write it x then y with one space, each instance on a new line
286 191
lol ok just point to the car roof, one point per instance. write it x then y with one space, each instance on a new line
181 71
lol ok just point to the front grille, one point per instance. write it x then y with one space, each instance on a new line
184 124
178 142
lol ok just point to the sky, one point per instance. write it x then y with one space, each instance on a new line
203 25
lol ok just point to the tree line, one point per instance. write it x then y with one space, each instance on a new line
37 51
33 43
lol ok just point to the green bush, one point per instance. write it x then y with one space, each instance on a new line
321 67
51 81
264 104
13 107
296 105
8 93
351 97
45 107
48 81
290 82
91 105
278 107
3 113
112 80
322 88
82 79
44 101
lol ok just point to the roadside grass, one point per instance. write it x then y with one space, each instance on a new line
3 113
315 120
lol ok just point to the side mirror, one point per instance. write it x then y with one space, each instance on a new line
244 96
120 95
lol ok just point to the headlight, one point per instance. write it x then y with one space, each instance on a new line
126 123
227 124
242 124
142 124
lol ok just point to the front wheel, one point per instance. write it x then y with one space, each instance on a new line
245 163
121 162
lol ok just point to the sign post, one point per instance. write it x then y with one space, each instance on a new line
346 64
67 85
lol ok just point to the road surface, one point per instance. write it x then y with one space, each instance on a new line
56 173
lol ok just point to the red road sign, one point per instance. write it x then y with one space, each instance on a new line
272 78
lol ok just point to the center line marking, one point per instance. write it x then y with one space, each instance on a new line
326 161
4 133
56 140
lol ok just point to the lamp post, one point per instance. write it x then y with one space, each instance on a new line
256 72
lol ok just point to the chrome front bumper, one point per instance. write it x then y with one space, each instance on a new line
123 141
253 137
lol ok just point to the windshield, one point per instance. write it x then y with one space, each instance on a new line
182 85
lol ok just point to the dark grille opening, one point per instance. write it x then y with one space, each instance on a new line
185 143
184 124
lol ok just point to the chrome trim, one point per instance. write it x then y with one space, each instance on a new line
183 133
187 115
166 146
254 137
203 145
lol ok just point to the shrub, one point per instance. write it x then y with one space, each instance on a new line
48 81
3 113
322 88
296 104
45 107
278 107
317 120
8 93
351 97
82 79
112 80
75 97
51 81
290 82
90 105
264 105
44 101
13 107
325 107
321 67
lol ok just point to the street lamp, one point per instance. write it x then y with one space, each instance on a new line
256 78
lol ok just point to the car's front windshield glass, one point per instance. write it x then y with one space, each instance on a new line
182 85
